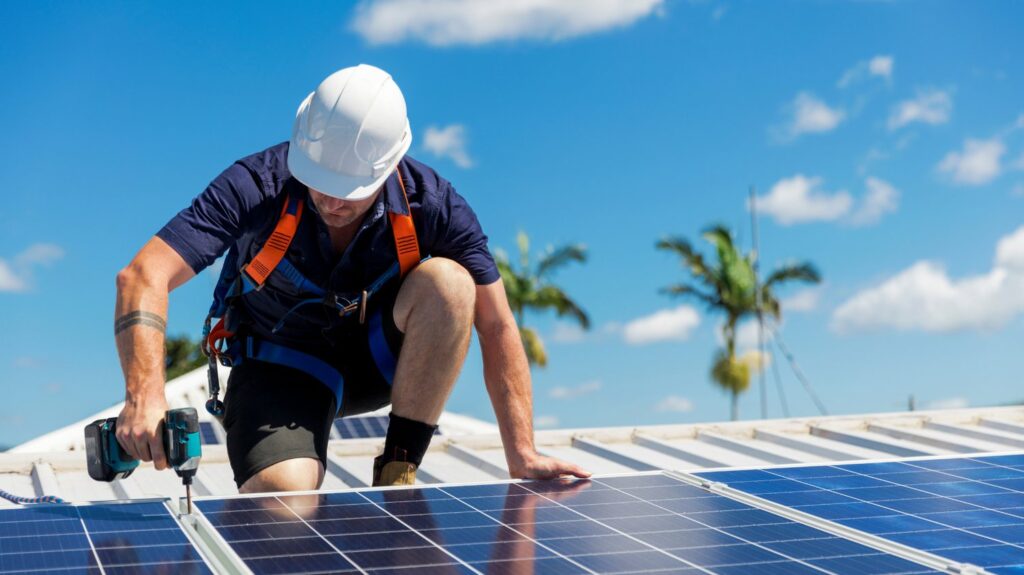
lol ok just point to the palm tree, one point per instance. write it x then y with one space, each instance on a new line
528 288
729 286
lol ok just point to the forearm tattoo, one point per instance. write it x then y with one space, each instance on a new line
139 318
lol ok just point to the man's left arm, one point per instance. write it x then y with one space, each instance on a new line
507 376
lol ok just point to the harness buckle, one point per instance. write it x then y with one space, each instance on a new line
362 307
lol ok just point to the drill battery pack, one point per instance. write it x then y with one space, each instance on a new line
105 458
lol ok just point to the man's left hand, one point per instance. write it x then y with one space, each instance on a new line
537 466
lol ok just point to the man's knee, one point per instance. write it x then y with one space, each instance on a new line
300 474
441 285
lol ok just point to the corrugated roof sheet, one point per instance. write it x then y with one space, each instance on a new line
471 451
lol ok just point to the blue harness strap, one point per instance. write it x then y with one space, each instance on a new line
379 348
263 350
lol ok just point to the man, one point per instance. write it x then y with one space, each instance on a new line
329 309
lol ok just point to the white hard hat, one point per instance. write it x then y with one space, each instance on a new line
350 133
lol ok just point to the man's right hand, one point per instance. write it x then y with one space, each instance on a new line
140 429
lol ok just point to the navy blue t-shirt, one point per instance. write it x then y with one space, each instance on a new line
240 208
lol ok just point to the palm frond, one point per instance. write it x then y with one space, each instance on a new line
552 297
523 241
720 237
534 347
802 271
710 300
560 257
769 303
692 259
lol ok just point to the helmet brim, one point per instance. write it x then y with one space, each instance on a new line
341 186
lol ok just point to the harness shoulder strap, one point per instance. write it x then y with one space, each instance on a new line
404 230
276 246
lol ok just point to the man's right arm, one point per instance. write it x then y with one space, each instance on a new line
140 318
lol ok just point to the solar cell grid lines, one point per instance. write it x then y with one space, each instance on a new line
139 537
631 524
967 509
207 433
364 426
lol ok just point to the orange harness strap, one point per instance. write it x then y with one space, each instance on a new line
404 230
276 245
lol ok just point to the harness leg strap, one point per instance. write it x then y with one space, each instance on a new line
278 354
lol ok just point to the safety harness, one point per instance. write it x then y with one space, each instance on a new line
220 343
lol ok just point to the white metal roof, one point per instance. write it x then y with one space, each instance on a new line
470 450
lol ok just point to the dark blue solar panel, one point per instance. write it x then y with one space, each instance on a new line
364 426
643 523
969 510
207 433
117 537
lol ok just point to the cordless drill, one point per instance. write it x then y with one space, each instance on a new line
107 460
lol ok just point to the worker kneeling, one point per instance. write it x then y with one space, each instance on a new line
353 277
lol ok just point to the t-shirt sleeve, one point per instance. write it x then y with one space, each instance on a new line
203 231
460 237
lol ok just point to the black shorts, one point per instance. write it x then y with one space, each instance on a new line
273 413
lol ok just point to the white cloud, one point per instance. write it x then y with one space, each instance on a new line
1010 252
880 66
978 163
923 297
798 199
448 142
42 254
9 280
567 333
16 276
802 301
665 325
881 198
745 336
810 116
1018 190
674 404
565 392
930 106
545 421
948 403
451 22
28 362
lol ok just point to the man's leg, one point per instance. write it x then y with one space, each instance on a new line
434 309
299 474
278 424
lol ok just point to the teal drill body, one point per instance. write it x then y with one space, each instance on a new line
108 461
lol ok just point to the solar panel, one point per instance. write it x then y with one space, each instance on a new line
632 524
207 433
968 509
115 538
364 426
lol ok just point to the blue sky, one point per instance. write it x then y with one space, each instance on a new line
885 141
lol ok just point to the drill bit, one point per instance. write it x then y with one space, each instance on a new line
188 496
